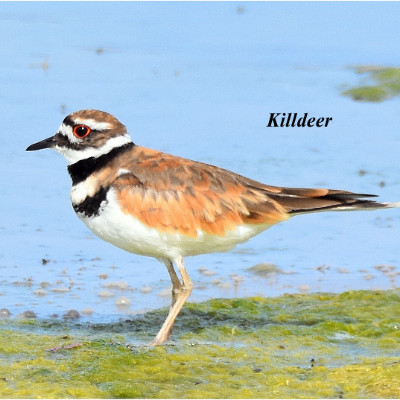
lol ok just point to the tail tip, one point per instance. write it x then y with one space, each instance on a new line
392 205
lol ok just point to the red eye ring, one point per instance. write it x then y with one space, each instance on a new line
81 131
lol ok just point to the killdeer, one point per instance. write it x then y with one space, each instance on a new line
155 204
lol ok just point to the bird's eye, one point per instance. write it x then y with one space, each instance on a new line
81 131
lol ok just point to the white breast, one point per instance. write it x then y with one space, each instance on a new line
83 189
130 234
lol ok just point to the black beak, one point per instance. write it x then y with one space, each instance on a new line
43 144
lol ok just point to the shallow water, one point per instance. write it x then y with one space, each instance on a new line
197 80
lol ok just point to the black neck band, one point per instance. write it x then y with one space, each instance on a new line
80 170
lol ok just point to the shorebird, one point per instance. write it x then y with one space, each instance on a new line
155 204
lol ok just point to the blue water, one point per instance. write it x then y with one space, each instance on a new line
197 80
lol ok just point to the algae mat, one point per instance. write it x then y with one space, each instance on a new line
294 346
380 84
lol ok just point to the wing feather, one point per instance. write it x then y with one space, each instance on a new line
174 194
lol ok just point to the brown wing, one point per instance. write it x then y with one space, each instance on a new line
171 194
175 194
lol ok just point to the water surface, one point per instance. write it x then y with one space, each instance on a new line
198 80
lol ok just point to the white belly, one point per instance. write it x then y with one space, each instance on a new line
130 234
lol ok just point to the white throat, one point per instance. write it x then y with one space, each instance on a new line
74 156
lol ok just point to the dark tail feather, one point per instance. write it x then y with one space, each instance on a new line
298 201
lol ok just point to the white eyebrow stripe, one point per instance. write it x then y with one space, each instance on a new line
93 124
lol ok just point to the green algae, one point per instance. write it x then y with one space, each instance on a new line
382 83
294 346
